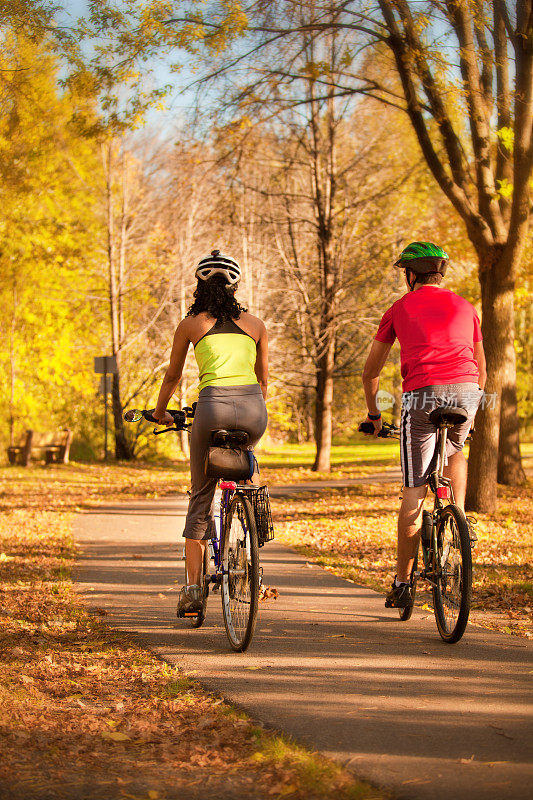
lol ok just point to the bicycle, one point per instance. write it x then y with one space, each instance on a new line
444 538
243 525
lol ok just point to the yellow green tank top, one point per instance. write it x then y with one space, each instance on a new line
226 356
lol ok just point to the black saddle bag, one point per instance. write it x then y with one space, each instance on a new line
230 463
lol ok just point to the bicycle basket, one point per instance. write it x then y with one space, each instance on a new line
263 515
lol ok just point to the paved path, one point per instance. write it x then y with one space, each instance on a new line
329 664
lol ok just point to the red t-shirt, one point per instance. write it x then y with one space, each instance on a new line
436 330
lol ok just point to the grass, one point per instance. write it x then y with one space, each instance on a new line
352 532
286 464
86 712
78 485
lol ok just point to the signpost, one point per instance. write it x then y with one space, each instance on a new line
105 365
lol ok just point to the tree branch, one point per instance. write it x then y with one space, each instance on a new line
476 225
462 22
504 165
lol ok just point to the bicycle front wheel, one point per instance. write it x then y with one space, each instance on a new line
240 579
452 592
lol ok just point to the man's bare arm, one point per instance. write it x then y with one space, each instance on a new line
479 356
371 372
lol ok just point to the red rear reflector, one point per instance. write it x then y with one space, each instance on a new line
443 492
228 485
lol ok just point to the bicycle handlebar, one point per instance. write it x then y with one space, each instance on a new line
391 431
179 416
387 431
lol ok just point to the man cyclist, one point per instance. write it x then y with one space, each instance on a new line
442 363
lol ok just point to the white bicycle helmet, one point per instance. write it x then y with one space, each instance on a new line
217 264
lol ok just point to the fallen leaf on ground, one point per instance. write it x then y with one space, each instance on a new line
116 736
268 593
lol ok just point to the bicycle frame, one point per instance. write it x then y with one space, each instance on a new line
442 489
445 541
229 488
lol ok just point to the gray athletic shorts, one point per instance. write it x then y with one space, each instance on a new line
418 436
231 407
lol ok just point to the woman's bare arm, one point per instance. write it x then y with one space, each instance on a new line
174 372
261 361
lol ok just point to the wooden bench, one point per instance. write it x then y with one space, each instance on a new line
50 447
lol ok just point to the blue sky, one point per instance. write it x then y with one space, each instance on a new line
177 104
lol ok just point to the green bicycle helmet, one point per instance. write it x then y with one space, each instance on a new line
423 258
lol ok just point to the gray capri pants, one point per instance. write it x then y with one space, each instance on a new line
418 436
233 408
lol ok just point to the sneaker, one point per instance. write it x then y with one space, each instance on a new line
190 600
399 596
472 522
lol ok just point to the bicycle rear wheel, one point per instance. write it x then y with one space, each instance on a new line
240 579
452 593
406 613
198 620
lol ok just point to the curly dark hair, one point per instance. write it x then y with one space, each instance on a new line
216 298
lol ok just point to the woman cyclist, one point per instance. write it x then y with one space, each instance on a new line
231 350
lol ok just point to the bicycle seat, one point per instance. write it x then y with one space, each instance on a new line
445 415
224 438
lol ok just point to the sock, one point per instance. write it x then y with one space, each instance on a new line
400 583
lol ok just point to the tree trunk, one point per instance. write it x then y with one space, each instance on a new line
13 365
324 408
309 417
184 436
497 304
123 449
510 470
